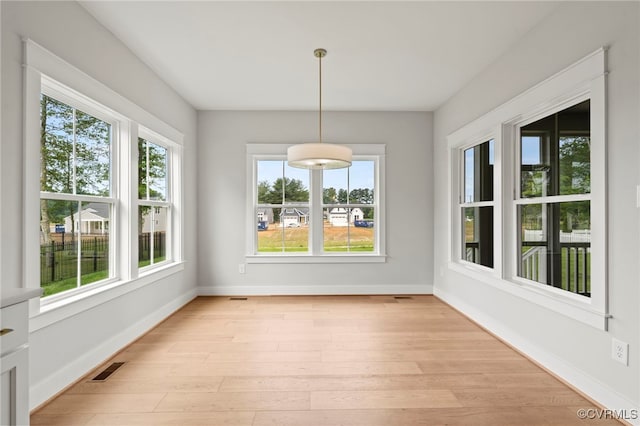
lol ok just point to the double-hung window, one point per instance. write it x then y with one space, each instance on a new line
477 206
314 215
154 201
554 202
77 200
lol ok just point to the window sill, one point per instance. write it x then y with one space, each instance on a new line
570 305
62 309
324 258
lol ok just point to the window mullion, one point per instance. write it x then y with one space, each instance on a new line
317 221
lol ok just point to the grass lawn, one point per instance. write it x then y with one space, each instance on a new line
336 239
69 283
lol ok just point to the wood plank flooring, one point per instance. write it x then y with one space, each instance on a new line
318 360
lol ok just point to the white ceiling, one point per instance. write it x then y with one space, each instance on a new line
393 56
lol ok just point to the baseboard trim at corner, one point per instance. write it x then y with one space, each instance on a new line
589 386
42 392
314 290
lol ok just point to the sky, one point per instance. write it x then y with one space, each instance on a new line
360 174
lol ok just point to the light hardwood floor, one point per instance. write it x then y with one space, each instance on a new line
318 360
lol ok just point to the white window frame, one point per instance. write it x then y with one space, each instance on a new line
44 72
585 79
316 254
70 98
463 203
172 157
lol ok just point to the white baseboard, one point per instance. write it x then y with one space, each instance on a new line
60 379
312 290
593 388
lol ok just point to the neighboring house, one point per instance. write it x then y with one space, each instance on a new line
294 216
94 219
159 217
339 216
265 215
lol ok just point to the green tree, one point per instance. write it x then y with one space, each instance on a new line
342 196
286 190
329 196
363 196
263 191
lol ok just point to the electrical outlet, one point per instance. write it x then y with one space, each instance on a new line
241 268
620 351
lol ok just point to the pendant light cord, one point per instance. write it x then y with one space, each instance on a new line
320 91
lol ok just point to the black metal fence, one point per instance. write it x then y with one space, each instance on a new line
159 246
59 259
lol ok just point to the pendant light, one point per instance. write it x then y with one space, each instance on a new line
320 155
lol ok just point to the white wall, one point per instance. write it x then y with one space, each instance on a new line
222 227
578 352
65 350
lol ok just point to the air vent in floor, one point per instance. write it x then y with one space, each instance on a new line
107 372
402 297
237 298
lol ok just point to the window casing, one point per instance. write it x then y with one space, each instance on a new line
89 188
77 190
549 199
477 206
298 215
553 200
154 200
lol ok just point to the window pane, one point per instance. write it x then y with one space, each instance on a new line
56 146
278 183
478 172
555 154
478 235
144 235
353 185
58 246
349 229
93 155
77 241
283 230
575 164
555 245
152 234
142 169
296 184
152 171
93 227
75 150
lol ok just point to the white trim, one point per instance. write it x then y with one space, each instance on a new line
598 391
320 258
560 301
313 290
552 199
366 152
585 79
58 310
78 367
571 81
